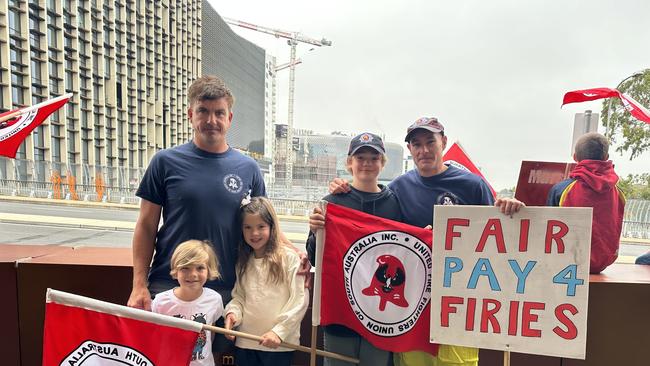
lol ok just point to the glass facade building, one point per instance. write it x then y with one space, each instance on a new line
128 65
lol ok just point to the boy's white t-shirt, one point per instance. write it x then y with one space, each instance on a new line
206 310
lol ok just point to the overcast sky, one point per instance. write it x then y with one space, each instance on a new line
493 72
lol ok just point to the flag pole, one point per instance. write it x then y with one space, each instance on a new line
68 299
35 106
315 308
12 115
296 347
312 350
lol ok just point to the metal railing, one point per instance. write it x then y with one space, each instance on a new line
65 191
636 222
118 185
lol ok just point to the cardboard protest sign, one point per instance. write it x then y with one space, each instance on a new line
516 283
536 178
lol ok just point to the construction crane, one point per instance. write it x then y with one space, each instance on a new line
285 66
293 38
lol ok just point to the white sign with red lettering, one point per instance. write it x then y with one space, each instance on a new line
516 283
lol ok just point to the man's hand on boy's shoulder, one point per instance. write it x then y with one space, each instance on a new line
339 185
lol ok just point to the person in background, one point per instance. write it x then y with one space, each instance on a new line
592 183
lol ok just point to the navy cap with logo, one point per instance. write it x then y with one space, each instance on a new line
425 123
366 139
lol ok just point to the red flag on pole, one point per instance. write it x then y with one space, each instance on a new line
457 157
635 108
375 279
16 125
81 331
587 95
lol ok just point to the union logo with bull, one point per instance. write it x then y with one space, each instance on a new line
387 280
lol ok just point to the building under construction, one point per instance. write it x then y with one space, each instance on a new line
317 159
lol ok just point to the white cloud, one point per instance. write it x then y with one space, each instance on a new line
493 71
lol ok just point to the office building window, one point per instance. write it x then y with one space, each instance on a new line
35 40
14 22
17 95
16 55
51 38
56 149
72 147
36 72
39 143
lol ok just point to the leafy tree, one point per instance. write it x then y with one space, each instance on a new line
636 186
634 134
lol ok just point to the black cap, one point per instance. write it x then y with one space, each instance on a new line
366 139
425 123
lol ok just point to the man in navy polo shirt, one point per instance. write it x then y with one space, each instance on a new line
198 188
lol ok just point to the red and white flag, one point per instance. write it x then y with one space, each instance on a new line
16 125
635 108
373 276
457 157
80 331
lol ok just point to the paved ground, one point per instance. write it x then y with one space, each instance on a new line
26 220
46 221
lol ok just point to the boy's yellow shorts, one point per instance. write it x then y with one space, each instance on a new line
447 356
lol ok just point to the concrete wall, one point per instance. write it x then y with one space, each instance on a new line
617 325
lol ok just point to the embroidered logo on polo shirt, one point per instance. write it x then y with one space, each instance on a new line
447 199
233 183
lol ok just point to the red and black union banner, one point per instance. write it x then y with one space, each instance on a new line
376 279
81 331
16 125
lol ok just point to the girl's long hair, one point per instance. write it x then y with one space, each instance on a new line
273 255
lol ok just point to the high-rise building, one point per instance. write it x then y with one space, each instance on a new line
242 66
128 65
